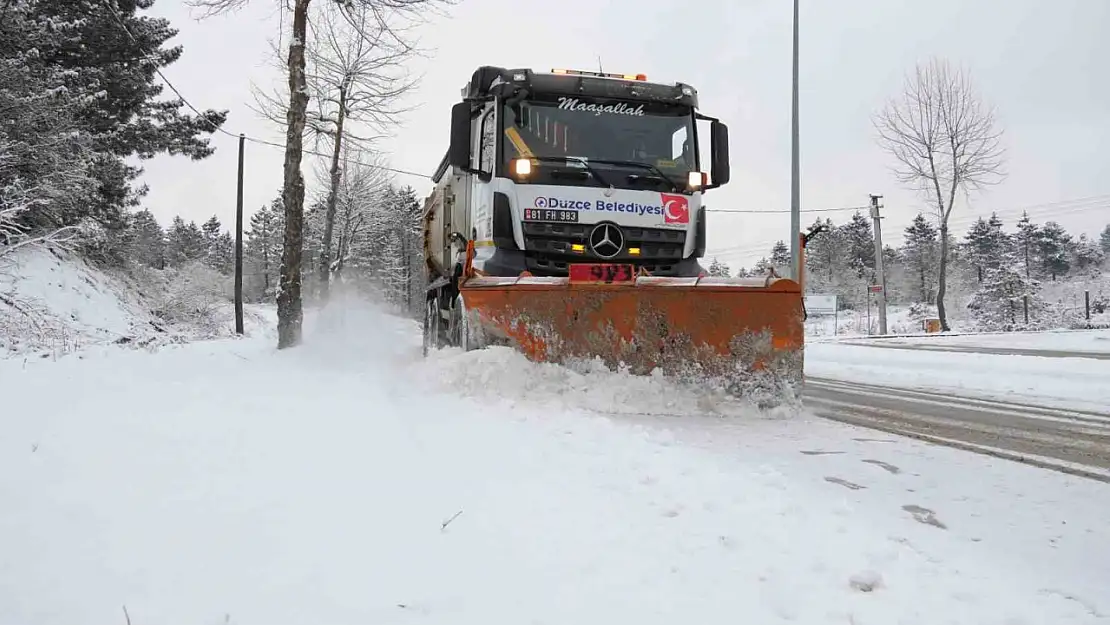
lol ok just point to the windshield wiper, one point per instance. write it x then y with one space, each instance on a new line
648 166
576 159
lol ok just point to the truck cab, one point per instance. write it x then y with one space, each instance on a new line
549 169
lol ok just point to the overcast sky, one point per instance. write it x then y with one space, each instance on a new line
1041 64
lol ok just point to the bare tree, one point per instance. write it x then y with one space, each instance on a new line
362 188
944 140
384 13
357 78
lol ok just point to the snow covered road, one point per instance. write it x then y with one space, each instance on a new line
347 481
1065 440
1036 372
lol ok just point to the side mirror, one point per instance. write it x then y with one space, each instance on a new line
718 147
459 153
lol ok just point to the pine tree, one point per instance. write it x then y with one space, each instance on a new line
780 258
148 245
120 51
1104 240
45 152
826 259
1085 254
922 255
1025 242
986 244
860 244
214 256
262 247
763 267
222 256
718 269
1052 247
184 243
1000 302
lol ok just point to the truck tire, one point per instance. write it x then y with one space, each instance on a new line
465 334
433 325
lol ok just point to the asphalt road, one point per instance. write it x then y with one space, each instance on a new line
1003 351
1071 441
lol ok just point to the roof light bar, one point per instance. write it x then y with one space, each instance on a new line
578 72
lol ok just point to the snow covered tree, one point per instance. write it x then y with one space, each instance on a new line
1000 302
1025 243
148 243
763 267
986 244
780 258
1104 240
184 243
46 152
262 249
1085 254
921 252
290 313
718 269
219 246
120 51
1053 243
356 77
826 258
859 242
944 141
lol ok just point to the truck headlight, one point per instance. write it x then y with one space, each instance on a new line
521 167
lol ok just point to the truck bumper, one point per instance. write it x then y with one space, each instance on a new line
508 263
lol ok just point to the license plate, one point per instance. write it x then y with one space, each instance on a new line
601 272
550 214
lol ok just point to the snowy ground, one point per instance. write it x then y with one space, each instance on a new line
1087 341
1047 379
347 481
53 303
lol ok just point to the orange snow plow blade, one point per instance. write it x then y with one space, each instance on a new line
745 331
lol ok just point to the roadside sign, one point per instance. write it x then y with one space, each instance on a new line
820 305
875 288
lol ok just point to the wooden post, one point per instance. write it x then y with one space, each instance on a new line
239 244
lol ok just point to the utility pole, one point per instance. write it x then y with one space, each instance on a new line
239 244
795 188
880 301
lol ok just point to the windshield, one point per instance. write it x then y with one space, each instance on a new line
633 145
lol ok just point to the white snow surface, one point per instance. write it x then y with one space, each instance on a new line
350 481
1086 341
1078 383
63 304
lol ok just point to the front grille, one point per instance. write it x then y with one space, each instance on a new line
547 247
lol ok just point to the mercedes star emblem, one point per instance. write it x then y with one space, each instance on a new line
606 240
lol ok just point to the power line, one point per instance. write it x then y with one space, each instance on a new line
777 212
1035 211
119 20
1066 206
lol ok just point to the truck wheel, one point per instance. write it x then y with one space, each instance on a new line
433 325
467 334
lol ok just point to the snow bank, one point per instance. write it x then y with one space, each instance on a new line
52 303
1084 341
855 323
345 481
1077 383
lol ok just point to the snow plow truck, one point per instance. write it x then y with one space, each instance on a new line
567 221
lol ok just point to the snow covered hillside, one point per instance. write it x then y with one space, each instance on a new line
52 302
350 481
